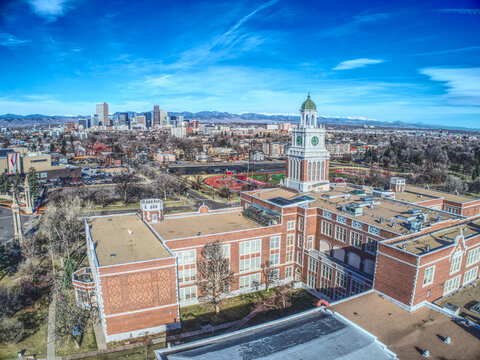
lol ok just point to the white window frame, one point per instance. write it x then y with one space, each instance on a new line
340 234
290 225
452 285
289 256
326 228
456 263
290 239
470 275
289 272
309 244
356 239
191 290
300 240
428 276
369 240
473 256
275 242
274 259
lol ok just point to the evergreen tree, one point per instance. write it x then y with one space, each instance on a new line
4 184
33 182
17 182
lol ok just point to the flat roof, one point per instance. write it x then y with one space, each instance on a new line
202 224
383 214
300 337
437 193
464 298
124 239
437 239
409 333
413 197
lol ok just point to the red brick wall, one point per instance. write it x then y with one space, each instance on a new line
394 278
134 291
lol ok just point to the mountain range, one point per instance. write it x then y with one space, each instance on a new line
12 120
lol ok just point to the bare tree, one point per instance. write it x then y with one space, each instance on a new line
197 182
269 275
215 276
62 228
71 319
125 186
164 184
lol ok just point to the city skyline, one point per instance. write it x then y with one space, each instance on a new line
401 61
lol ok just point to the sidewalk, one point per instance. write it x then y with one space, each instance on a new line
51 328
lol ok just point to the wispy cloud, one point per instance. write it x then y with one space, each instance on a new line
448 51
463 84
10 40
357 63
50 9
460 11
354 23
232 42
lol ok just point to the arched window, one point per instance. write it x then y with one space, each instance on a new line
353 260
325 247
339 253
369 266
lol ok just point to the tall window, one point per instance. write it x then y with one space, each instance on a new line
290 239
300 224
249 281
249 264
470 275
299 258
274 242
289 272
340 233
428 276
309 244
326 272
289 257
313 265
291 225
185 257
356 239
370 245
356 287
473 256
187 293
452 284
300 241
326 228
456 263
274 259
187 275
250 247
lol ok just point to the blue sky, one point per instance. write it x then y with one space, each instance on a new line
414 61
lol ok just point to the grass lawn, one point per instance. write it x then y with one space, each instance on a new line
141 353
236 308
301 300
274 178
347 177
68 346
36 341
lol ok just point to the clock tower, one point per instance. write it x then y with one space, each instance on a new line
307 158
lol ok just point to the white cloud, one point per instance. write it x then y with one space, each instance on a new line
463 84
11 40
49 9
357 63
461 11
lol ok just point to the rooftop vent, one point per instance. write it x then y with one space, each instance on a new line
414 211
109 219
427 248
130 232
353 209
367 198
113 255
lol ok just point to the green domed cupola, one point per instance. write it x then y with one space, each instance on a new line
308 104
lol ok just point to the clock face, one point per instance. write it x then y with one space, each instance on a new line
315 141
299 140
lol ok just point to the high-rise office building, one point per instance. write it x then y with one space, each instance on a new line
148 120
163 117
123 119
156 115
84 122
102 113
94 120
141 120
